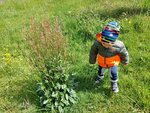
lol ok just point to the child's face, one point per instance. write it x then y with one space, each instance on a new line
107 45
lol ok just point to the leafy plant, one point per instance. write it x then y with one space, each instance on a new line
47 50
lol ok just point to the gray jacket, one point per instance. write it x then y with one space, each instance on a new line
117 48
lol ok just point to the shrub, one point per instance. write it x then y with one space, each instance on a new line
47 54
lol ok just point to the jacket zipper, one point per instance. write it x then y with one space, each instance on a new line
105 60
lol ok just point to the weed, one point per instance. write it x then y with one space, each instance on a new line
47 48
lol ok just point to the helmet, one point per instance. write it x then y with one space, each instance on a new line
111 31
109 35
113 26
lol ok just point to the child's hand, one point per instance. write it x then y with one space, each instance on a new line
116 63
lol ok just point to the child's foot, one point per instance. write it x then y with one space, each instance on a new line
114 86
98 79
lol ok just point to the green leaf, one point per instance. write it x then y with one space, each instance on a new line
62 98
66 102
54 94
45 102
62 104
46 81
64 86
58 85
66 95
60 109
68 90
73 92
72 100
56 103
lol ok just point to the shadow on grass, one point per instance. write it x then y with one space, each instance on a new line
85 82
124 11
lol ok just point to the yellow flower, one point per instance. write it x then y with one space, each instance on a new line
129 21
7 58
7 55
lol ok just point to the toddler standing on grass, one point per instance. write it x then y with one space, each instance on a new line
109 52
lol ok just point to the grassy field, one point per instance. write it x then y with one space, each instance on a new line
80 21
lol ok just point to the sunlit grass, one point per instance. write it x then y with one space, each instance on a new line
17 84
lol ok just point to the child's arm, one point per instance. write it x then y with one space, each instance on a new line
93 53
124 55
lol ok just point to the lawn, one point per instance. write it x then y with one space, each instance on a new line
80 21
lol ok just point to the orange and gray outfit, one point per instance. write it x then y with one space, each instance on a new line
108 57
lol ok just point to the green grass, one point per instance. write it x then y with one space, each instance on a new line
81 20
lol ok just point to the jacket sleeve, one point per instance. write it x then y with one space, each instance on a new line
93 53
124 55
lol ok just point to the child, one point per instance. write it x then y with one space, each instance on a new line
109 52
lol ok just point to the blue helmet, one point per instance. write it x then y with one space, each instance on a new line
113 26
111 31
108 35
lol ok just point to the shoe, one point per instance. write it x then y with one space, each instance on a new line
114 86
98 79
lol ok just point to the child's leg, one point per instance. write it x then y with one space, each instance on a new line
114 78
100 74
114 73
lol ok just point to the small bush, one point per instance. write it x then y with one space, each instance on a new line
47 54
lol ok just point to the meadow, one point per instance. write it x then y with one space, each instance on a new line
80 21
